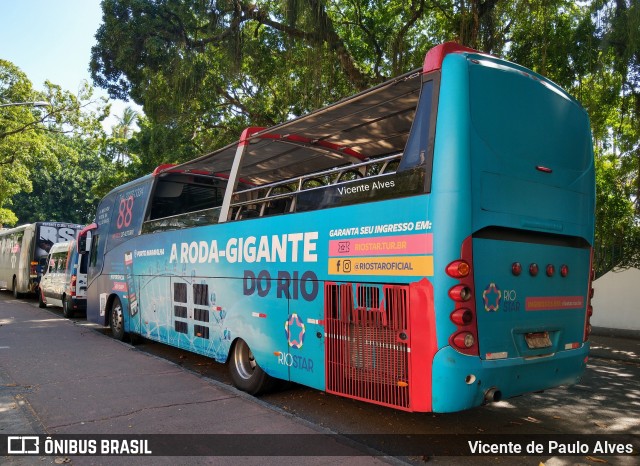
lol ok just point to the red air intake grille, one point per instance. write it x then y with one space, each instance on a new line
367 344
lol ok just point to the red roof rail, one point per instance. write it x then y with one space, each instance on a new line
435 56
163 167
247 133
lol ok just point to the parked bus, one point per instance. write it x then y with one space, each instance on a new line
423 245
23 253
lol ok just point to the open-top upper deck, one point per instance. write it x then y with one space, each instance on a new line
360 137
299 165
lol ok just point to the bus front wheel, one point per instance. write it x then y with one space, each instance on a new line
116 320
246 374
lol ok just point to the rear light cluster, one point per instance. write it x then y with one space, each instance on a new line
550 269
587 320
465 337
72 287
33 270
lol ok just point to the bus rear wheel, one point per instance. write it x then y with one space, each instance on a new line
246 374
16 295
116 320
67 311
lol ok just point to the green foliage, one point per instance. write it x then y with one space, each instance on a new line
619 34
206 70
38 141
18 141
64 192
203 71
614 217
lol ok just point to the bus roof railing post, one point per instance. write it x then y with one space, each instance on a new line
435 56
235 169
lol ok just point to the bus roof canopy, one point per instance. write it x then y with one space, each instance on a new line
373 123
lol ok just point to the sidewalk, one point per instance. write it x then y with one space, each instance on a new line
609 346
58 377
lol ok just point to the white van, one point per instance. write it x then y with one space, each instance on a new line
64 282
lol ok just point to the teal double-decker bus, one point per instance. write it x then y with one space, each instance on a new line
424 245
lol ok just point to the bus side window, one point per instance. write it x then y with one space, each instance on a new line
184 194
62 262
420 144
93 252
83 263
53 263
279 205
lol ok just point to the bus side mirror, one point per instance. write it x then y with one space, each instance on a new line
84 238
82 244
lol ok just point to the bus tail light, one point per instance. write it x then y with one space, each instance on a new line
462 317
464 340
72 287
516 268
460 293
465 337
590 293
458 269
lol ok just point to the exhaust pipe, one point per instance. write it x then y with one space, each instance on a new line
492 395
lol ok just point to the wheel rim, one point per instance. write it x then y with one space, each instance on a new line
116 319
243 360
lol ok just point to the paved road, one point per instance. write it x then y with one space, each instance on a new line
58 377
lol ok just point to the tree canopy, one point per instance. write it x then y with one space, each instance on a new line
38 139
205 70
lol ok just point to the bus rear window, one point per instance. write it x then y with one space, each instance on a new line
524 123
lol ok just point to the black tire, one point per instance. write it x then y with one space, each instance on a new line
245 372
116 319
16 295
67 310
41 302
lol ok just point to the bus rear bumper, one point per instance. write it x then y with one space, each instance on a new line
462 382
79 304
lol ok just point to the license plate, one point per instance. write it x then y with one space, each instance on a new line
538 340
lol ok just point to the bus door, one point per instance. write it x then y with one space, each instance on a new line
132 293
304 330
